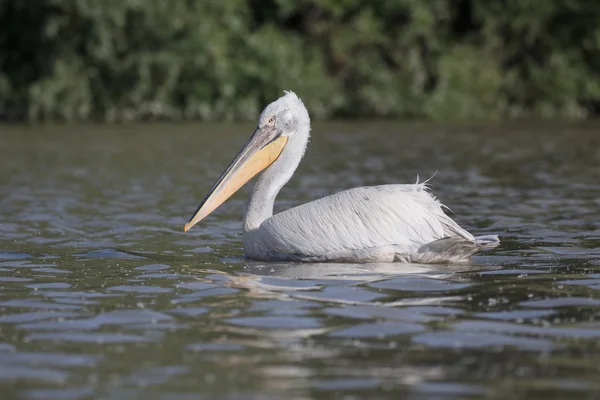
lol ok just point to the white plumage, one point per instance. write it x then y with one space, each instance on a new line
388 223
366 224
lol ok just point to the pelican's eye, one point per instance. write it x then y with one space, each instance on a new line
271 121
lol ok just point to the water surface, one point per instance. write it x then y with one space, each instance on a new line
103 296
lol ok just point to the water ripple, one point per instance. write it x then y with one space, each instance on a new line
102 295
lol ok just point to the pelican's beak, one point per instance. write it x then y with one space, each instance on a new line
263 148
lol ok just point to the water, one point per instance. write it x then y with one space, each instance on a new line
103 296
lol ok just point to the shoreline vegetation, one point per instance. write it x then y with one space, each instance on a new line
212 60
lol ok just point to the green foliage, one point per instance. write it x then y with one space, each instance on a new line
189 59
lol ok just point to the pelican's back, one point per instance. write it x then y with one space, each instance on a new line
404 216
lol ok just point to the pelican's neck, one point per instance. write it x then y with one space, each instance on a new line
260 206
273 179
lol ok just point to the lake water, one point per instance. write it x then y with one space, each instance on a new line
103 296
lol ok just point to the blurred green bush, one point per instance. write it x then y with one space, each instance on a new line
112 60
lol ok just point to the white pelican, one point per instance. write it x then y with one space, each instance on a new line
388 223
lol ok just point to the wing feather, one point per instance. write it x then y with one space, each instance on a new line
407 216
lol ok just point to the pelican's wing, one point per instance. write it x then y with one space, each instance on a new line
402 215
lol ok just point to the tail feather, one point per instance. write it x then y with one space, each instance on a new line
454 249
487 241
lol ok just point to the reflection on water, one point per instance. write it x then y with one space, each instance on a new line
103 295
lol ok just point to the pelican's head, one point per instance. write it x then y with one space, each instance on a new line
277 127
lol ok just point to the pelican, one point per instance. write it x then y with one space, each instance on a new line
388 223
